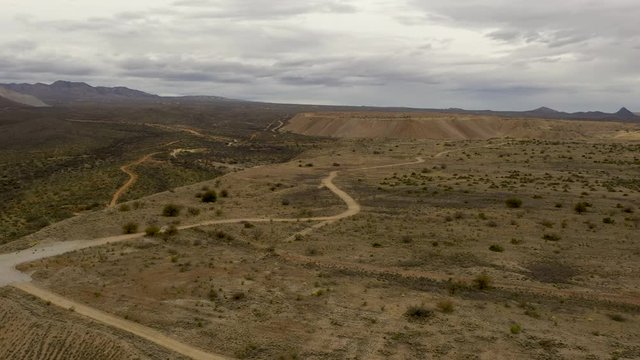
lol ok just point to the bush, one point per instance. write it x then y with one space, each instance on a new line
496 248
224 193
516 329
482 281
124 207
171 210
418 312
193 211
130 228
581 207
151 230
209 197
446 306
608 220
285 202
551 237
513 203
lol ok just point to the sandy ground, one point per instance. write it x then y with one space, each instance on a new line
445 126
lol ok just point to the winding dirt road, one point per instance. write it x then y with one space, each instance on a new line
133 177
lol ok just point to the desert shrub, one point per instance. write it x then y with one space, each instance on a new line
212 294
124 207
513 203
376 245
193 211
130 228
209 197
492 223
151 230
608 220
238 295
551 237
171 231
248 225
418 312
516 329
171 210
224 193
617 317
496 248
482 281
581 207
285 202
406 239
446 306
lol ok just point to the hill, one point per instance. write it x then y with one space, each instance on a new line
444 126
19 98
69 93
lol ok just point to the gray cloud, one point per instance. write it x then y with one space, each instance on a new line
492 53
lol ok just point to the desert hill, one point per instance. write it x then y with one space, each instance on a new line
67 93
445 126
19 98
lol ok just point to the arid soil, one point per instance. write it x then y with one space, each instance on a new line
494 249
446 126
32 329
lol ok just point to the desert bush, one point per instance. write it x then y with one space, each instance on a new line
224 193
171 210
193 211
581 207
513 203
418 312
516 329
209 197
124 207
406 239
285 202
551 237
151 230
171 231
482 281
617 317
130 228
608 220
238 295
446 306
496 248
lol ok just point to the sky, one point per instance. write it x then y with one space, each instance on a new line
569 55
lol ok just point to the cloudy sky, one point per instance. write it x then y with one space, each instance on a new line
499 54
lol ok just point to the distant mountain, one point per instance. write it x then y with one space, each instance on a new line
19 98
69 93
548 113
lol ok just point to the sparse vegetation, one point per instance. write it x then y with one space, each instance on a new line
171 210
209 196
513 203
130 228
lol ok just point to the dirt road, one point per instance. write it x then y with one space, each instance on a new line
133 177
129 326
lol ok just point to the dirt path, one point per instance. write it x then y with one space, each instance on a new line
133 177
129 326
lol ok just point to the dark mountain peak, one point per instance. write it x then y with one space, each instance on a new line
625 113
545 110
69 84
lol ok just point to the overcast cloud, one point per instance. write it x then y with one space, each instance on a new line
500 54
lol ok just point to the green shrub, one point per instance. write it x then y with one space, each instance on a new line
418 312
496 248
130 228
483 281
224 193
209 197
513 203
516 329
446 306
551 237
608 220
151 230
171 210
581 207
124 207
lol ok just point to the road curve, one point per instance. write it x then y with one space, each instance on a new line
133 177
118 323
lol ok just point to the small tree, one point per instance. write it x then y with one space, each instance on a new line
152 230
130 228
513 203
171 210
209 197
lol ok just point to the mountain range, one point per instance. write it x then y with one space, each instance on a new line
67 93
